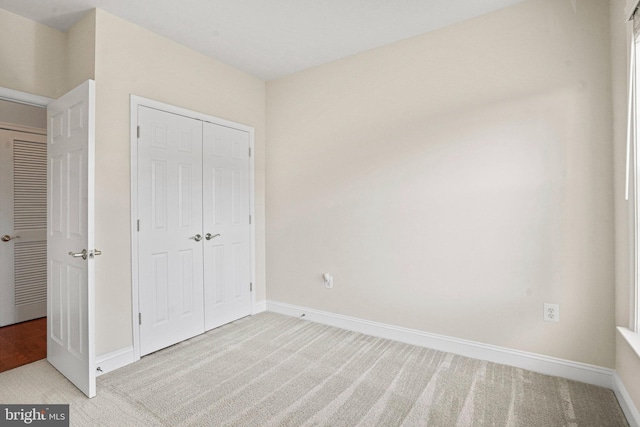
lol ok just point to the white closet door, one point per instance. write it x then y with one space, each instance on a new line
170 211
226 225
23 225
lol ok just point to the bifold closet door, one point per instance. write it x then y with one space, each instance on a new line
170 262
227 255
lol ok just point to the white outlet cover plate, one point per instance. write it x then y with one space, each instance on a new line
551 312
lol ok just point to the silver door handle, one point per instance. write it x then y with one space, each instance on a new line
6 238
208 236
197 237
94 252
82 254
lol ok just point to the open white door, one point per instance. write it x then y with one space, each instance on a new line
70 245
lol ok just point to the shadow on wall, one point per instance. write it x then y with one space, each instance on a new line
480 211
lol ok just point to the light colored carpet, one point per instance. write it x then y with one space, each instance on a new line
274 370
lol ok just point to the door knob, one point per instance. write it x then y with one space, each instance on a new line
82 254
197 237
6 238
94 252
208 236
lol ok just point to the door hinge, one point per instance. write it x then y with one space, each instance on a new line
138 132
250 287
138 225
139 318
249 219
249 151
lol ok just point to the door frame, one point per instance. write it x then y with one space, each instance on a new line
138 101
24 98
11 95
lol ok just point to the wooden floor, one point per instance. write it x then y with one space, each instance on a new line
23 343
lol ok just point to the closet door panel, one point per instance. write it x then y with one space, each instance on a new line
226 224
170 211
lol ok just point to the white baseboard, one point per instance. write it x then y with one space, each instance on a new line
547 365
114 360
626 403
260 306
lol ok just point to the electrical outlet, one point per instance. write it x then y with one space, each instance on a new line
551 312
328 280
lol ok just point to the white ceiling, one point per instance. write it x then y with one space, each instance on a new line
270 39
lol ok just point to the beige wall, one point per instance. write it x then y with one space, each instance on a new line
81 53
24 115
454 182
32 56
131 60
627 362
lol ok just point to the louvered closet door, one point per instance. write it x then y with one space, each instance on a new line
23 209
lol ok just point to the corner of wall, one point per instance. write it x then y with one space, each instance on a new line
627 361
81 51
38 56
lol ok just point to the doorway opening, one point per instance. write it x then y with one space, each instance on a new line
23 273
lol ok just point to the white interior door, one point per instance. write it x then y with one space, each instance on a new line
70 299
227 229
170 229
23 218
